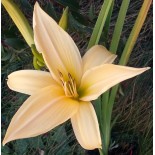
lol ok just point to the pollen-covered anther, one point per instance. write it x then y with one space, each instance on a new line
69 85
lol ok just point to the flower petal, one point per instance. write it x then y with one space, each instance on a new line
29 81
59 50
40 113
97 55
99 79
86 127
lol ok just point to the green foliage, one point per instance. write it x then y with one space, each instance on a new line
119 26
73 5
134 108
49 8
97 31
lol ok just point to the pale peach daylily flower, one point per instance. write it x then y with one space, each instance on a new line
64 93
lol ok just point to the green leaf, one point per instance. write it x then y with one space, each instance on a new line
6 54
21 146
119 26
97 105
2 50
10 33
91 13
15 43
100 23
74 24
72 4
6 150
113 49
35 142
131 42
80 18
135 32
107 24
49 8
26 5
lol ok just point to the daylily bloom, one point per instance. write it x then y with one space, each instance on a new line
66 91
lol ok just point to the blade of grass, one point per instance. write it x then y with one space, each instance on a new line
100 23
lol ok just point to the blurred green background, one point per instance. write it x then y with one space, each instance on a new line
132 132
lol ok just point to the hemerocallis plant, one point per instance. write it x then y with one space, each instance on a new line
67 90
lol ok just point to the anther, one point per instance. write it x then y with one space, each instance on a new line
70 88
67 92
60 74
70 76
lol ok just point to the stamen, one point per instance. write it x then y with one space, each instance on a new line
74 86
67 93
61 78
70 77
60 74
68 86
62 83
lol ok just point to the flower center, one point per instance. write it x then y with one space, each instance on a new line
69 86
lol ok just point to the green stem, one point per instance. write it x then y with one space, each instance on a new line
100 151
106 122
36 66
36 54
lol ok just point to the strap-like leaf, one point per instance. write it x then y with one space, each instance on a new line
119 26
100 23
